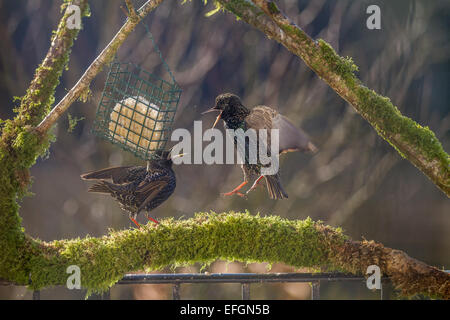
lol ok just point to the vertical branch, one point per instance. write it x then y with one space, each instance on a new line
96 66
40 94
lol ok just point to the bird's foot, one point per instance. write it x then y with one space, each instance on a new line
135 222
242 195
255 184
236 191
151 219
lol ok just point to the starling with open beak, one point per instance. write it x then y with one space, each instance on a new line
236 116
137 188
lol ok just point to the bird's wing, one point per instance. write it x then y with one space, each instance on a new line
291 138
260 118
146 191
116 174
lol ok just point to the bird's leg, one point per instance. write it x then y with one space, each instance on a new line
134 221
151 219
255 184
236 190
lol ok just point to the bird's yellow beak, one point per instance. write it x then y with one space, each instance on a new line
217 120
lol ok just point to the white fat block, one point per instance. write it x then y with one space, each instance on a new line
141 123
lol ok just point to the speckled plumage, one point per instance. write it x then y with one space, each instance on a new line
236 116
136 188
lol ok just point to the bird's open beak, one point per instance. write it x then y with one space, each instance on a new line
214 110
179 155
170 156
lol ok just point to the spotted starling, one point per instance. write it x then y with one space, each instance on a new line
236 116
137 188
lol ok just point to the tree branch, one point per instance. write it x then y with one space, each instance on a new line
20 145
207 237
228 236
96 66
417 144
40 94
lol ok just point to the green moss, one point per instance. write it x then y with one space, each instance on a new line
344 67
40 95
237 7
217 8
388 121
202 239
273 8
73 122
382 114
295 31
19 149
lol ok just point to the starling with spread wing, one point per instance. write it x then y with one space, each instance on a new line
137 188
236 116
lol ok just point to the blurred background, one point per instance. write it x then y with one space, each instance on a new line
356 181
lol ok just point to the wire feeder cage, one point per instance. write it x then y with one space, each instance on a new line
137 108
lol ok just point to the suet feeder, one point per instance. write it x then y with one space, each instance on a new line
137 108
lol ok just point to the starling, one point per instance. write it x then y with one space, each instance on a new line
236 116
137 188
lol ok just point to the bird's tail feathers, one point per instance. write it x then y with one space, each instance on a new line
102 187
310 147
106 173
274 187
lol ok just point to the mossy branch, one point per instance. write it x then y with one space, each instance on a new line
21 141
417 144
207 237
106 56
228 236
19 147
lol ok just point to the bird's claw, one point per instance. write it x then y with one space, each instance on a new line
242 195
152 219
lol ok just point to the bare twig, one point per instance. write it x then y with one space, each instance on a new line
96 66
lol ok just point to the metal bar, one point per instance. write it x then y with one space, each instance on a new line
106 295
237 277
384 290
245 291
315 290
176 291
36 295
381 292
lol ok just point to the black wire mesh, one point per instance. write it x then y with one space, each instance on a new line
137 108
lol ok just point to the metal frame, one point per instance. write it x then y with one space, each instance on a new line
245 279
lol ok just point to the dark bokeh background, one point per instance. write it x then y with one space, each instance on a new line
356 181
